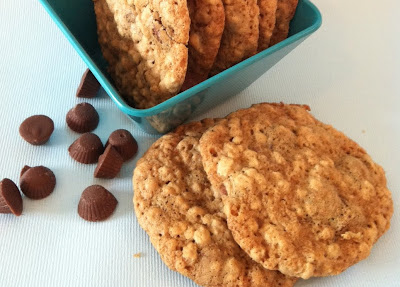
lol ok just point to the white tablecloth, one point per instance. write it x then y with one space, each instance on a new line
348 72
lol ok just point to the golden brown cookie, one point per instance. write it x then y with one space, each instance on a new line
176 206
267 22
284 14
300 197
240 38
206 27
144 43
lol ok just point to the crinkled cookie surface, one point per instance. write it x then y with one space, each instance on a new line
144 43
284 14
267 20
300 197
206 27
240 37
176 206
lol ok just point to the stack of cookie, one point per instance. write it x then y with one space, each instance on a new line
263 197
155 49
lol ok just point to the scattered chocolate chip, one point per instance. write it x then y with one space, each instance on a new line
86 149
36 129
37 182
123 141
82 118
110 163
89 86
10 198
96 203
25 168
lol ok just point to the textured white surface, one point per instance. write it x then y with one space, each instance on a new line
348 72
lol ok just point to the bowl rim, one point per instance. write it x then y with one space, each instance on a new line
131 111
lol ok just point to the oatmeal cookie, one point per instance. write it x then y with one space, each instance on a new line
267 22
206 27
240 37
176 206
144 43
300 197
284 14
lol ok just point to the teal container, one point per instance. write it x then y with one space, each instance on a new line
76 19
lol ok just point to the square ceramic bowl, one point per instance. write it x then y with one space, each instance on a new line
76 19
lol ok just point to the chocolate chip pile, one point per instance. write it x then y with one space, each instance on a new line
96 202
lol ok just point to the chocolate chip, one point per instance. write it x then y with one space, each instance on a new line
110 163
37 182
10 198
82 118
89 86
86 149
123 141
36 129
25 168
96 203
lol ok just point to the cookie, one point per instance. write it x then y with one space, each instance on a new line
206 27
240 37
267 22
284 14
144 43
300 197
175 205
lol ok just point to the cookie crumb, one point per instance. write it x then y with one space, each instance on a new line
137 255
